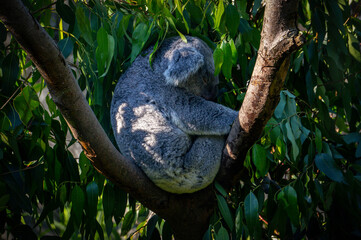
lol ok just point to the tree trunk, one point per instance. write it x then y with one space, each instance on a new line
188 214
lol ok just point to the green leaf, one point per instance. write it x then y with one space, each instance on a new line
260 160
4 122
226 213
120 204
251 211
280 148
218 60
207 235
220 189
335 14
354 47
66 46
108 201
171 19
65 12
291 138
222 234
328 166
92 192
140 36
256 6
51 105
288 199
232 19
244 26
281 106
239 222
127 222
227 60
104 52
234 52
180 10
84 165
78 199
84 25
25 103
219 13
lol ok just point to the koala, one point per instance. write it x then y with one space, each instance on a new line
163 119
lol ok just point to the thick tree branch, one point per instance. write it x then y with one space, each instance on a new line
279 38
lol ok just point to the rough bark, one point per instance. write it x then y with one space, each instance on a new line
279 38
188 214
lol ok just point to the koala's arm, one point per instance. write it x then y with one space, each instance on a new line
197 116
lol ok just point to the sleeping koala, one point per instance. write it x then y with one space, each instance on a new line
162 119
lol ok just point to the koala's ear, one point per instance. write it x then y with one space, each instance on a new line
183 63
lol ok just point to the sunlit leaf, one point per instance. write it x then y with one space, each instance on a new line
25 103
218 57
354 47
104 52
127 222
227 60
219 14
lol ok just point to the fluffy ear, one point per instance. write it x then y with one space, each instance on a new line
183 63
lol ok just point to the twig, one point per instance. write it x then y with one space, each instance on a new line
43 8
12 95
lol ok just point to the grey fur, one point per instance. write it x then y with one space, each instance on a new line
162 121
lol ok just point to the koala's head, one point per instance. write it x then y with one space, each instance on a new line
190 66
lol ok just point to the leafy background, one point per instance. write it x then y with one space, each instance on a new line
303 174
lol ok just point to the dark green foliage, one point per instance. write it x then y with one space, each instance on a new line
304 173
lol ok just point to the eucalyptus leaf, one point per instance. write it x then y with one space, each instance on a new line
260 160
251 211
25 103
218 57
226 213
328 166
84 25
78 200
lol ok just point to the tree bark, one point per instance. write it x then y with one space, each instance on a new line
279 38
188 214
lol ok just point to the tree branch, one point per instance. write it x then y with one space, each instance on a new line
279 38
